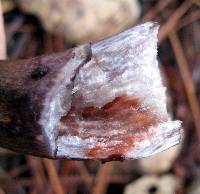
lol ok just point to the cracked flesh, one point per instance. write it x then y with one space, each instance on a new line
117 103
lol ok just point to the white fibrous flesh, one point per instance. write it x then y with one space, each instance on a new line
59 98
117 102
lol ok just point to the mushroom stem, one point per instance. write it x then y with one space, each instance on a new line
102 101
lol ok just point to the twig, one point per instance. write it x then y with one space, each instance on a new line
33 191
151 13
20 47
2 191
13 27
6 179
173 20
192 17
32 49
196 2
53 176
18 170
2 36
67 166
27 28
37 172
48 43
71 179
58 42
187 79
84 173
101 181
82 169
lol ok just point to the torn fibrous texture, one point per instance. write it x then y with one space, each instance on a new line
58 100
117 107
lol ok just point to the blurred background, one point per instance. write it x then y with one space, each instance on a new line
35 27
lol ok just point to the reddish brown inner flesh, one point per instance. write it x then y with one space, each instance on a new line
123 115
